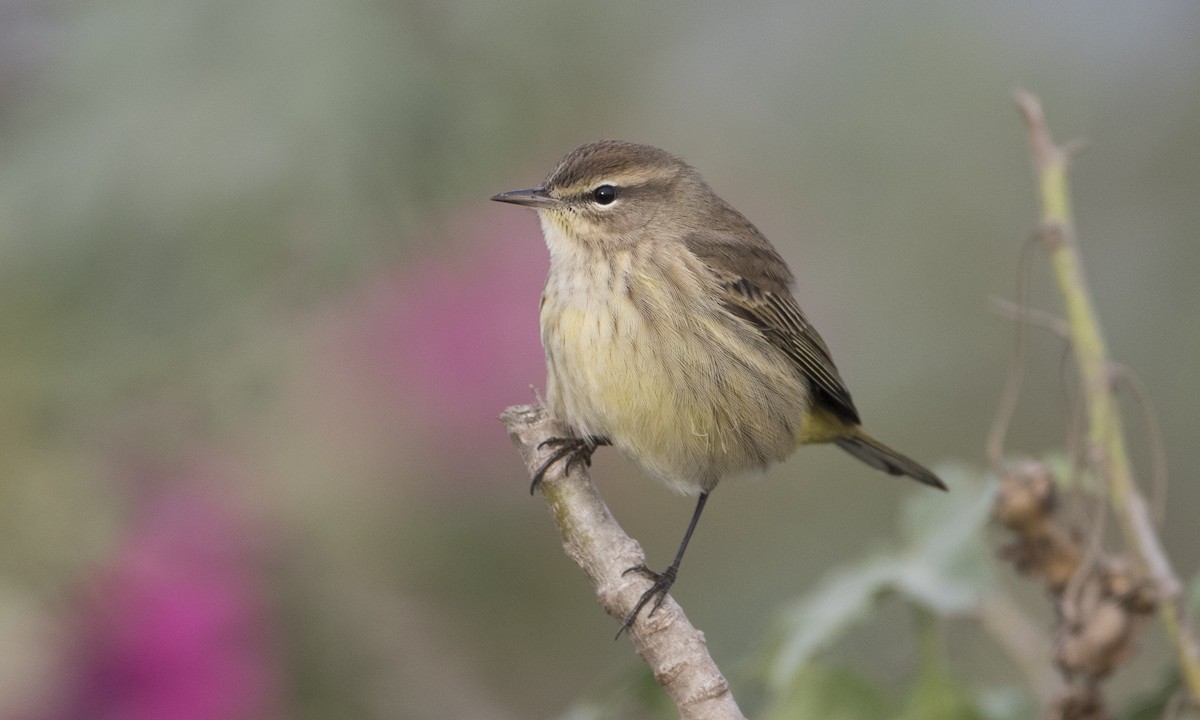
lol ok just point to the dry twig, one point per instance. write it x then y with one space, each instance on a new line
1097 595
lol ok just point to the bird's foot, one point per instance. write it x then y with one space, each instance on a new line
657 592
574 449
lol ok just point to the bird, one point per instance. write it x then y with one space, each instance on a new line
671 333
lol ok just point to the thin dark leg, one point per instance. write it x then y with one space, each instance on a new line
573 449
665 579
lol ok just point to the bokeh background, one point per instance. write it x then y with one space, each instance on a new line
257 321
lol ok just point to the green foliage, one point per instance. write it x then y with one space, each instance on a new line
823 693
1071 477
818 692
937 695
942 566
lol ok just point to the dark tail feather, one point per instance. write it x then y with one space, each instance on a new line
881 457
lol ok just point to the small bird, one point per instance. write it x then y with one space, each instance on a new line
671 333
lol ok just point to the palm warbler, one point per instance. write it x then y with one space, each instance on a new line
671 333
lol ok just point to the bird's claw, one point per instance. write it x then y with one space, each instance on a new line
657 592
574 449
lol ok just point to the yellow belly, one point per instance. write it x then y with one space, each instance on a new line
692 396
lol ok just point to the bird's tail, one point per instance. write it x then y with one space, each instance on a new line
881 457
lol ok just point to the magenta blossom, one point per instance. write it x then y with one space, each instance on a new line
176 628
437 348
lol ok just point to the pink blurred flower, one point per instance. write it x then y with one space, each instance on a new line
443 344
176 628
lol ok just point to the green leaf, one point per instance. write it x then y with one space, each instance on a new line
947 565
937 695
1006 703
814 621
822 693
944 566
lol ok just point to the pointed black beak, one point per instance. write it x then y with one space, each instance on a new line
536 198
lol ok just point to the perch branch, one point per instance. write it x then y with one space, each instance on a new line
675 650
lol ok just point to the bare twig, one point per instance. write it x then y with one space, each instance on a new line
675 650
1105 450
1154 436
1031 315
1016 373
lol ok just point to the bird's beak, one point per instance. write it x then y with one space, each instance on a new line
536 198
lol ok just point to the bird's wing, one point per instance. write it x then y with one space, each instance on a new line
754 285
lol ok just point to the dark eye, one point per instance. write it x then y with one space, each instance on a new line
605 194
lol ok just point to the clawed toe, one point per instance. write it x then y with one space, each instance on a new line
573 449
657 592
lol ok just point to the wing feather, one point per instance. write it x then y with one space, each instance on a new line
754 282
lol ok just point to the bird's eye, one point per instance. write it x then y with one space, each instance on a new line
604 195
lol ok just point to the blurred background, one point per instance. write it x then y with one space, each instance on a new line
258 319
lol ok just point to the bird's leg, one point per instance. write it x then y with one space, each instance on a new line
574 449
665 579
